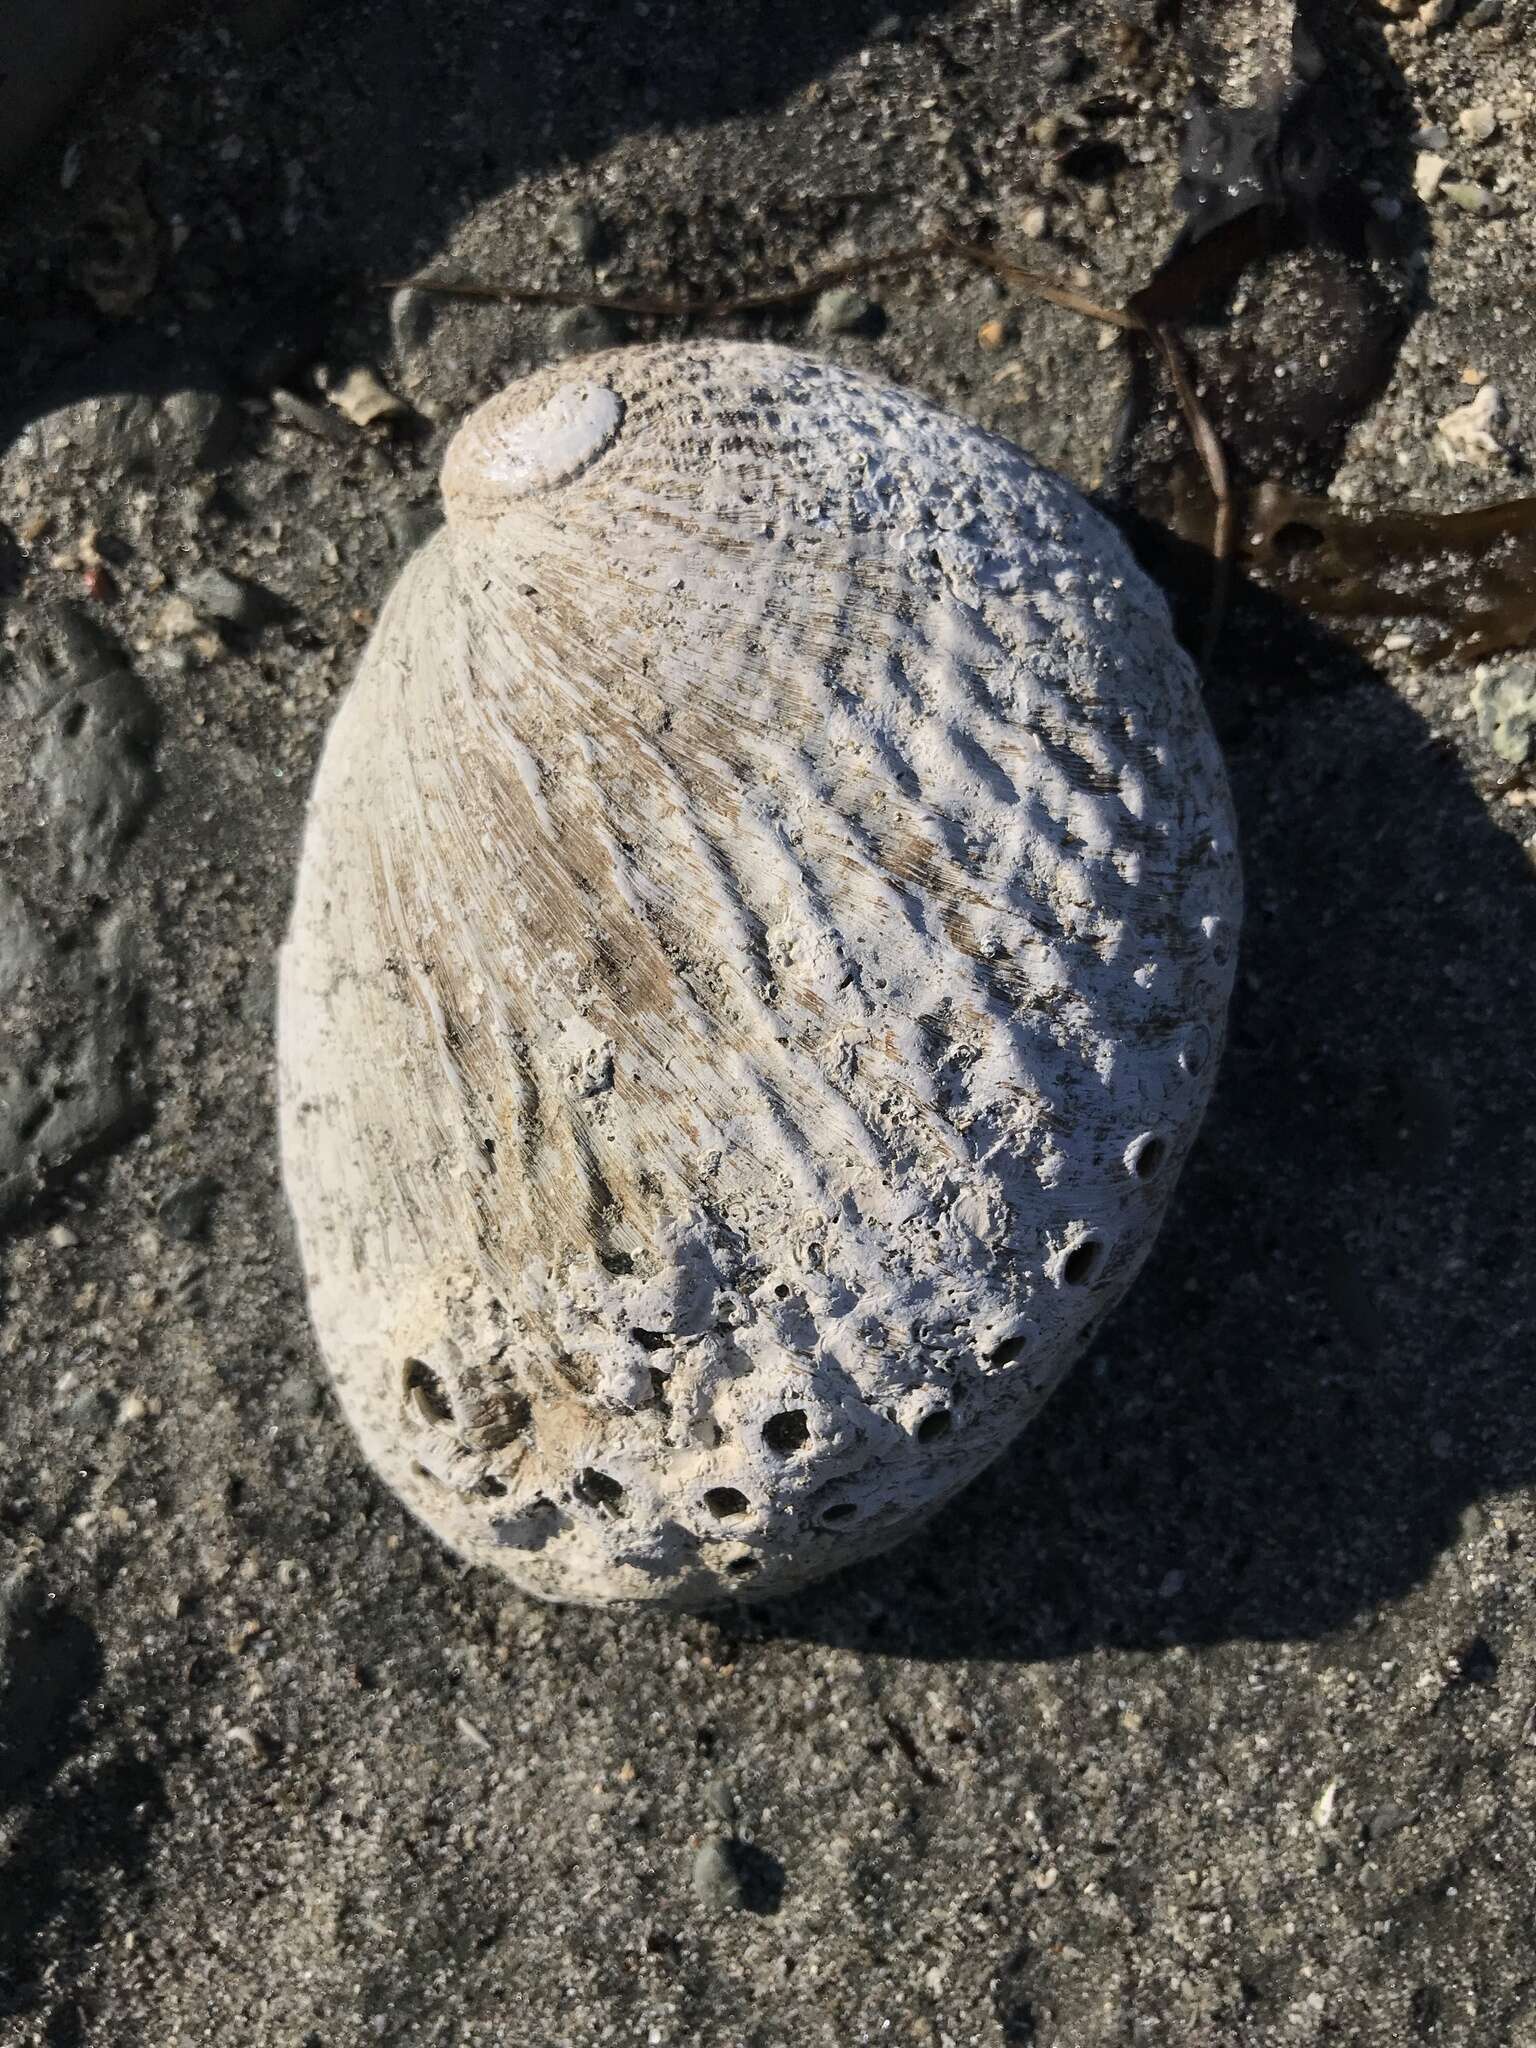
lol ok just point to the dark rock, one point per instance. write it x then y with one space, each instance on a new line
70 1062
716 1877
116 433
228 600
97 728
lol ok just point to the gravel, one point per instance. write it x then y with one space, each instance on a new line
998 1788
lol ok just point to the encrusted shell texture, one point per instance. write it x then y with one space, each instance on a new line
761 947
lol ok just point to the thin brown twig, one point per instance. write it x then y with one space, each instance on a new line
1163 338
1214 462
678 308
1041 286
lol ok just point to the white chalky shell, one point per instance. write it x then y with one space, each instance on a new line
760 952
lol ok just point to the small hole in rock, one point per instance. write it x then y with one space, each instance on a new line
840 1513
1010 1349
617 1262
425 1392
1080 1262
933 1426
651 1340
781 1292
431 1478
600 1490
725 1501
1294 538
784 1434
1149 1157
489 1487
742 1567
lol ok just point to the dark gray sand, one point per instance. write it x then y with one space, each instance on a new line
1210 1713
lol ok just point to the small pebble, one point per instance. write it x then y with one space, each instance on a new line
1472 432
361 396
176 620
1437 13
716 1878
313 419
1479 123
1505 708
1428 170
1050 131
992 333
1035 223
215 594
1387 1820
1484 14
1469 197
844 311
62 1238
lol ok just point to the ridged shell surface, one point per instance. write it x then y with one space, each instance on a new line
761 947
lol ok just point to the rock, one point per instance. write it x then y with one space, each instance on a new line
118 433
992 333
716 1875
1428 170
184 1213
361 396
1437 13
845 311
1479 123
576 329
175 620
97 730
1388 1820
1505 709
311 418
231 601
1471 433
1060 63
1484 14
70 1084
579 231
1469 197
1035 223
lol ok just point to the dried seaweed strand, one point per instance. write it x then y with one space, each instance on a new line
1214 462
